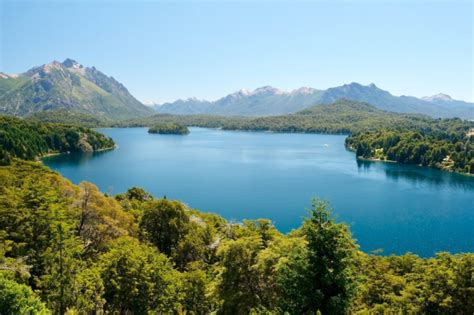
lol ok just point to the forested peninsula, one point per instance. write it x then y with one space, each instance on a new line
449 151
30 140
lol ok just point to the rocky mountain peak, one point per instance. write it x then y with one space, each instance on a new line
438 97
70 63
304 90
8 76
267 90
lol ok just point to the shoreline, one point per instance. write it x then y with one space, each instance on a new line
419 165
396 162
50 154
388 161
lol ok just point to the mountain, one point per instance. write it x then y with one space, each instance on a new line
269 101
343 107
438 97
264 101
457 107
402 104
188 106
69 86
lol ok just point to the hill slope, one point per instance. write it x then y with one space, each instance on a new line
70 86
62 116
269 101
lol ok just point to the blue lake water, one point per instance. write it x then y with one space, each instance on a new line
397 208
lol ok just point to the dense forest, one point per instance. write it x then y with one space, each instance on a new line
71 249
169 129
450 150
29 140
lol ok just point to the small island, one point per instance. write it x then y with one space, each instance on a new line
169 129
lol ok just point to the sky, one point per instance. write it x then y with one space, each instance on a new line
163 51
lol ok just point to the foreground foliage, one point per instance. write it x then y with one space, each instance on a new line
29 140
67 248
16 298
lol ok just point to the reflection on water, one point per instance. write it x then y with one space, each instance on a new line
418 175
75 158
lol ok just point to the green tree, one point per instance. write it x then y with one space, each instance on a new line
190 247
56 283
88 291
138 279
322 278
196 286
448 285
100 219
239 279
164 223
137 193
18 298
389 284
293 284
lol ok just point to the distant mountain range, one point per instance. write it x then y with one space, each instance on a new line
269 101
67 86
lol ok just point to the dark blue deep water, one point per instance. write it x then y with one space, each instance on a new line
397 208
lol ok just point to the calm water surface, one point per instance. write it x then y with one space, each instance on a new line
397 208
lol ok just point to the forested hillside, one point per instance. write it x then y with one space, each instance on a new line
29 140
62 116
67 248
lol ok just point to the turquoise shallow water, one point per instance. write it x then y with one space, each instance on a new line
397 208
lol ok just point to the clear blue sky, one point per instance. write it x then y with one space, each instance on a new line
168 50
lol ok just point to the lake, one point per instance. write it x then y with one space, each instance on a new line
397 208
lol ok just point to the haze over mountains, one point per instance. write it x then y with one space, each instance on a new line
67 85
268 100
71 87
